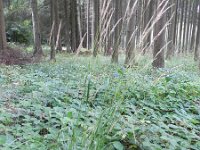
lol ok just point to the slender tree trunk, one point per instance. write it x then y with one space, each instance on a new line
175 26
147 24
197 49
117 36
171 29
194 25
3 42
181 25
58 45
130 45
96 27
159 33
185 26
187 40
52 37
67 25
74 26
36 30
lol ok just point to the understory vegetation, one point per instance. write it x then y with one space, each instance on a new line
84 103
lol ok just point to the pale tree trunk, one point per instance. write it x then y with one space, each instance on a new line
185 26
181 26
88 22
52 37
80 24
3 42
36 30
159 43
175 26
197 48
58 45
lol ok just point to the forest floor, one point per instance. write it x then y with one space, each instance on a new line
78 103
14 56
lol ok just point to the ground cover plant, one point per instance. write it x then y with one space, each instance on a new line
83 103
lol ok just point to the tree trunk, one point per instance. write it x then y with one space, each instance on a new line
130 45
181 25
3 42
36 30
158 52
171 29
197 49
67 25
58 45
53 35
96 27
185 26
194 24
118 28
148 13
74 26
187 39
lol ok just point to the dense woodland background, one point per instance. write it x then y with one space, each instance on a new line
122 75
109 27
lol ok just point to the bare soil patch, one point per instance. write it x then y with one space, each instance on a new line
11 56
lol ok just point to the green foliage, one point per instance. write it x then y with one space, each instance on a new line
18 22
20 33
86 104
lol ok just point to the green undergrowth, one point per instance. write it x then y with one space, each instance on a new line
86 104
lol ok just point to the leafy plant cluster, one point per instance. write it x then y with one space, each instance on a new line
19 32
80 103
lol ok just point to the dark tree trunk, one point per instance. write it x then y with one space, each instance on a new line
3 42
117 35
74 26
159 33
194 24
197 49
67 25
96 31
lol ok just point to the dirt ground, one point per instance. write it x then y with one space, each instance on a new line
11 56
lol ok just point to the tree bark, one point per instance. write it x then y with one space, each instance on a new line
197 49
52 37
96 27
181 26
36 30
74 26
185 26
172 29
148 13
130 45
194 24
3 42
158 52
67 25
118 28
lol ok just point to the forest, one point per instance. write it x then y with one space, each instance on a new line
99 74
